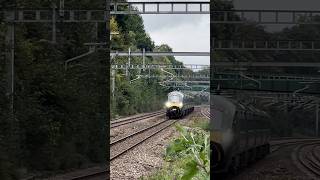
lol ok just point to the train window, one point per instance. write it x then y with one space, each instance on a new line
175 98
221 119
217 119
240 114
236 118
223 113
241 120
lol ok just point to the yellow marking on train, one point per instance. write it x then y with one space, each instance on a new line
216 136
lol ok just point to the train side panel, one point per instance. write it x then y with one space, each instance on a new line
249 138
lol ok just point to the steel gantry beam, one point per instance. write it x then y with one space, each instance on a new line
191 85
264 77
195 86
306 87
265 64
126 54
272 99
188 82
278 45
235 76
207 77
168 7
160 66
265 17
265 94
51 15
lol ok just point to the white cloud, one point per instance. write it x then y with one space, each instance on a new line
181 33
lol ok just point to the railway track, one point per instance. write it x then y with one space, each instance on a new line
206 113
128 120
103 175
307 156
94 173
124 144
277 144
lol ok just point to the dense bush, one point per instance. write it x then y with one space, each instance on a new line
187 157
59 119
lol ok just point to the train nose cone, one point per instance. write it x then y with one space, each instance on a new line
216 154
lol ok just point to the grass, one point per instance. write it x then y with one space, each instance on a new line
187 156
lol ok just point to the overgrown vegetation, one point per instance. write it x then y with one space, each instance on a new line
188 156
59 120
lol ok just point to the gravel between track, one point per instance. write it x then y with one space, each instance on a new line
145 158
122 131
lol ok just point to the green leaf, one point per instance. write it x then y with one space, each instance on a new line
203 156
175 148
191 170
180 128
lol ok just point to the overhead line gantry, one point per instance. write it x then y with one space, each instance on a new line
168 7
126 54
284 17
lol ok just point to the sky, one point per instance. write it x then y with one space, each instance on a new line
189 33
181 32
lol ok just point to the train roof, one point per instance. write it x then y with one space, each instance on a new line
176 93
225 102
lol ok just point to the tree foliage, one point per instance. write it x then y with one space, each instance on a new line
58 122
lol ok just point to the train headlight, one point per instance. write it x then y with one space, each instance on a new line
168 104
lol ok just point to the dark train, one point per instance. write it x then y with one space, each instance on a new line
175 107
240 135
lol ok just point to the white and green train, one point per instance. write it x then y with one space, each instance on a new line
240 134
175 106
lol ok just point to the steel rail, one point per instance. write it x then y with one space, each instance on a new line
135 119
139 142
124 118
121 119
206 114
310 165
75 175
138 132
276 147
314 154
91 175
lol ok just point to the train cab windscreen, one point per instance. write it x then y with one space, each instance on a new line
175 97
222 113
